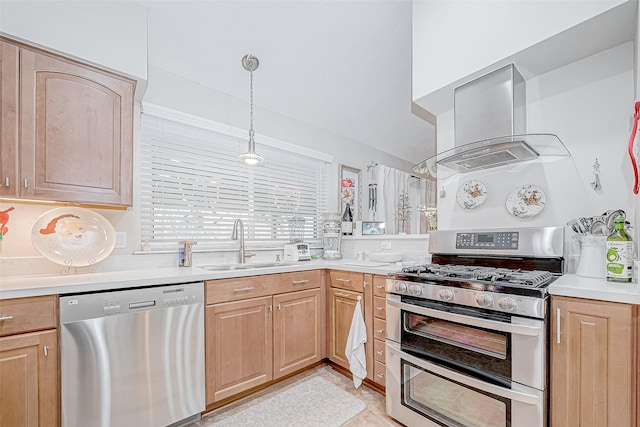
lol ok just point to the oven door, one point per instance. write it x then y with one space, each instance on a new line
422 393
494 347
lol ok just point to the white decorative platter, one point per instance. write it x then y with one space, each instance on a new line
526 201
75 237
471 194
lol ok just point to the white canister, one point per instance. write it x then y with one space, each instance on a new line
592 256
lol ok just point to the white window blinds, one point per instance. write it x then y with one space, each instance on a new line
194 187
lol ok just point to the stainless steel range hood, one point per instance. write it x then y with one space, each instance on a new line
490 126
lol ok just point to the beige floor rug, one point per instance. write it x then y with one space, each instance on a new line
315 402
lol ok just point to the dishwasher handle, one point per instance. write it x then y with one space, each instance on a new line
141 304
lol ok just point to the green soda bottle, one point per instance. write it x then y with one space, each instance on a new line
619 253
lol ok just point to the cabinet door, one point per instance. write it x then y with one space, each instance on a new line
8 119
341 306
239 346
592 363
76 131
296 331
29 380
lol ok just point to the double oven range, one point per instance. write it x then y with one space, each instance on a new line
467 335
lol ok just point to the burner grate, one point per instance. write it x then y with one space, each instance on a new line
502 276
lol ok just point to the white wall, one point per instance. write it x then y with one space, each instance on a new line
483 33
588 105
112 34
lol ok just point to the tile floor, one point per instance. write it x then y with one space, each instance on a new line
373 415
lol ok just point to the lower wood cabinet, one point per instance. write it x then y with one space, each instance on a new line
29 386
593 363
252 341
342 304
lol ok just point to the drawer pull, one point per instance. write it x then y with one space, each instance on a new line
379 308
380 352
298 282
338 294
379 286
5 318
250 288
380 375
379 331
343 280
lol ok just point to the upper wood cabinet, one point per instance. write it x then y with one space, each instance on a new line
592 363
75 122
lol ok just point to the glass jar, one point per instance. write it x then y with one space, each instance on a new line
332 233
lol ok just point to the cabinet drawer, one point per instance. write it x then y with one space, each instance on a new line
380 307
28 314
348 280
379 329
298 281
238 288
378 351
379 373
379 283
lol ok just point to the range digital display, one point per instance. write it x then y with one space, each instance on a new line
501 240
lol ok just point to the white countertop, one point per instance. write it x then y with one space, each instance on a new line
47 284
571 285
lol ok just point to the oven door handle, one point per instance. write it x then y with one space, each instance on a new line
468 320
506 393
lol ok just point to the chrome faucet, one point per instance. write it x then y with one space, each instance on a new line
242 255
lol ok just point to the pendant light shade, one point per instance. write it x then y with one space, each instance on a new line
251 158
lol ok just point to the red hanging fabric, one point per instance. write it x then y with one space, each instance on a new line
634 163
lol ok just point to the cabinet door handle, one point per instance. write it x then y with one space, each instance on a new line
380 375
2 318
364 284
278 306
270 307
380 352
26 183
379 331
379 308
298 282
379 286
250 288
557 326
343 280
45 349
6 181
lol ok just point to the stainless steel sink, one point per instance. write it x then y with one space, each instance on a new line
247 266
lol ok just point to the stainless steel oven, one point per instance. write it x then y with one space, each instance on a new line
467 336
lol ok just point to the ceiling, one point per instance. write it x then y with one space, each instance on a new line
342 66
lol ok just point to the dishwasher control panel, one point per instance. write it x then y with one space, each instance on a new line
93 305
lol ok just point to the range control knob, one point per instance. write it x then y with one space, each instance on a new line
415 289
484 300
445 294
401 287
507 303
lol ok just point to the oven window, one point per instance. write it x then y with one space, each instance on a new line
480 340
449 403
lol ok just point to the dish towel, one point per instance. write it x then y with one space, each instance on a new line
354 349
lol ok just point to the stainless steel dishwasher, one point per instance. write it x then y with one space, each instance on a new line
133 357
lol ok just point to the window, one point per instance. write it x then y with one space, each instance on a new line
193 186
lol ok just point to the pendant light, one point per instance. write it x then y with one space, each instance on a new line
251 158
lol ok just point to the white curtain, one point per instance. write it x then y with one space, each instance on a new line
391 184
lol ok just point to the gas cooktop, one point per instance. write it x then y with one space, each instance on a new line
480 274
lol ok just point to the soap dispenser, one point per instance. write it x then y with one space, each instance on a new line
184 252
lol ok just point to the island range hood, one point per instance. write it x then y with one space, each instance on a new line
489 128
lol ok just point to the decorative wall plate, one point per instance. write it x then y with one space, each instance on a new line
471 194
526 201
75 237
